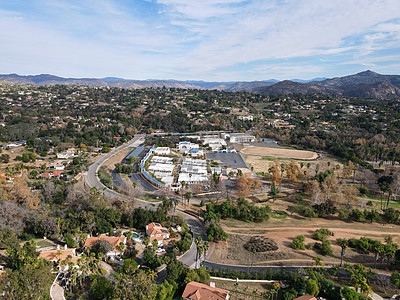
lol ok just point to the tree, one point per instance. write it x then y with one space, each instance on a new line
359 278
298 242
31 281
101 288
134 286
293 171
216 233
102 246
188 195
312 287
384 183
274 192
198 242
343 243
275 172
318 263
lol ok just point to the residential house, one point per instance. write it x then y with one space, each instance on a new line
156 232
113 240
306 297
200 291
59 255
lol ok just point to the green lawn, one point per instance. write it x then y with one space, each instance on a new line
44 244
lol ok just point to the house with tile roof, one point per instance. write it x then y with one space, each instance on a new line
58 255
113 240
157 232
200 291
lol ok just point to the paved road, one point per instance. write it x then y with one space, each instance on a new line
143 183
92 179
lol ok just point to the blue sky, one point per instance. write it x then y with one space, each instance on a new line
213 40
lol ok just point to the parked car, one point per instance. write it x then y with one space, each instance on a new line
61 276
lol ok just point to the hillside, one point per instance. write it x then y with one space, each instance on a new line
366 84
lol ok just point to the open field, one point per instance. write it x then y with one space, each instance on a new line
282 232
280 152
262 163
282 228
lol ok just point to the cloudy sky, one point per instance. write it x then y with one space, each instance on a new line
221 40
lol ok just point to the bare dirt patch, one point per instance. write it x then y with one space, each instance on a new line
278 152
117 158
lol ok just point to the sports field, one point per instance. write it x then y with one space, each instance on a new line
279 152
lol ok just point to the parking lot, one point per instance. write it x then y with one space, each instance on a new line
231 160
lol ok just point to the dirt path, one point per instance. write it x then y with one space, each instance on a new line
334 229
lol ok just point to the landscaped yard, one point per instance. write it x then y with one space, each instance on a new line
44 244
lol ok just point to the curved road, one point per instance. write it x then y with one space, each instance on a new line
92 179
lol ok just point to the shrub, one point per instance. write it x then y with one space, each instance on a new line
357 215
324 248
363 190
309 246
353 243
309 213
321 234
343 215
298 243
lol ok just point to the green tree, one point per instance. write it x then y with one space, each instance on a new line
274 192
312 287
101 288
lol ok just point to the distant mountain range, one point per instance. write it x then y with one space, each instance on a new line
366 84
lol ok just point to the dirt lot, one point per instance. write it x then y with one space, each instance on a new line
117 158
279 152
262 163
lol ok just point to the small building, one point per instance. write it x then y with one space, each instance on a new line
157 232
187 146
240 138
196 152
245 117
162 151
199 291
214 142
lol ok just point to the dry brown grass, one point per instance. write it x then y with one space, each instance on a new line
279 152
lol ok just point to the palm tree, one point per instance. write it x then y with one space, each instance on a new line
188 196
198 242
236 285
343 243
254 292
376 248
200 251
206 246
152 274
359 278
318 263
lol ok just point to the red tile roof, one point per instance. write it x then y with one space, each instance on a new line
199 291
113 240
